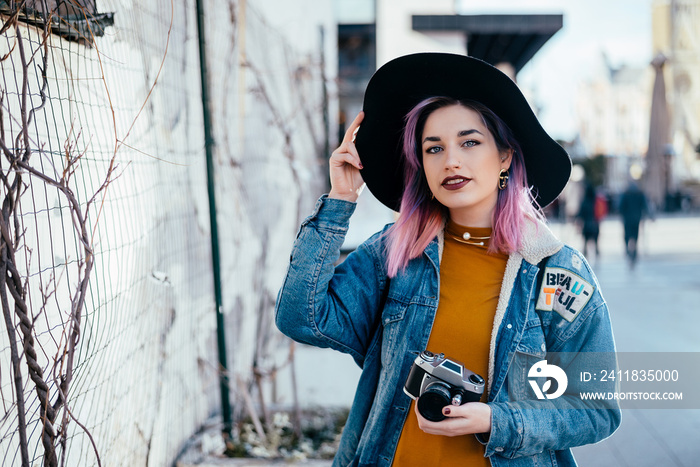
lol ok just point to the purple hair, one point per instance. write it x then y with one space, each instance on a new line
421 218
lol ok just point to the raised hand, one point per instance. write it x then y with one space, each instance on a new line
345 165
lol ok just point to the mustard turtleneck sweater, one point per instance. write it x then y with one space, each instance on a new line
470 284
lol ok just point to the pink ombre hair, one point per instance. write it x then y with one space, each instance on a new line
421 218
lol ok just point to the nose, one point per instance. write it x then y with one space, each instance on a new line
452 160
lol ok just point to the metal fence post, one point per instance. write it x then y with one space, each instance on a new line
216 267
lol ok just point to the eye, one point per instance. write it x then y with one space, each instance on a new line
470 143
433 150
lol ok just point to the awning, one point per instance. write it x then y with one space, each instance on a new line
496 38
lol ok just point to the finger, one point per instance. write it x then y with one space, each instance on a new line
476 415
449 427
448 411
349 147
454 411
341 158
346 147
352 129
465 410
425 424
352 149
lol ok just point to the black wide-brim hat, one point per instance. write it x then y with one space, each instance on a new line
402 83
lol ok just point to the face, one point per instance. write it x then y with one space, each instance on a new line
462 164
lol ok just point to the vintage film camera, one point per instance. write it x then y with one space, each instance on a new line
437 381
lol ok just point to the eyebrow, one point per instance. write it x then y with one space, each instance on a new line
459 135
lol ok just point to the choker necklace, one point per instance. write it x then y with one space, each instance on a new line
467 236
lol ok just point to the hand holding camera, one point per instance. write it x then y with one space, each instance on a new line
436 381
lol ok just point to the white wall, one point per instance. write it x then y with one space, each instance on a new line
395 34
147 375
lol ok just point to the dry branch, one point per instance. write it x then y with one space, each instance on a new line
14 284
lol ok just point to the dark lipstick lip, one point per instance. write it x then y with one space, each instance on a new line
455 186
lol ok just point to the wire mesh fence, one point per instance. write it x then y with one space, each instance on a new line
108 348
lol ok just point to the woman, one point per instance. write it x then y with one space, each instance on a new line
451 143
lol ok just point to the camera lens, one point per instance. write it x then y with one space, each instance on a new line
434 398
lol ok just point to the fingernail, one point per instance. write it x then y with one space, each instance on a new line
447 410
362 166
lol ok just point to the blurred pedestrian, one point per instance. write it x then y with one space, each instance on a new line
633 208
588 216
456 274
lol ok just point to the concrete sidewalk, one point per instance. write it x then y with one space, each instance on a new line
654 308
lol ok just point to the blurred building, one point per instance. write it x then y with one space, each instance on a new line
649 118
613 119
676 35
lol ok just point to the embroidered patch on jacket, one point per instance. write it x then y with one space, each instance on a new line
564 292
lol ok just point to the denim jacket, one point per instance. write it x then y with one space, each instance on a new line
381 322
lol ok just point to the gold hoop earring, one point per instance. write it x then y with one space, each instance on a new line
503 179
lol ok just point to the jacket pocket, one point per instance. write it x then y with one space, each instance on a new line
406 323
533 339
530 350
394 328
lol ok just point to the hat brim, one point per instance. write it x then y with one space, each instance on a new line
402 83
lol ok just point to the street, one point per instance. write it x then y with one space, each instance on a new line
654 308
